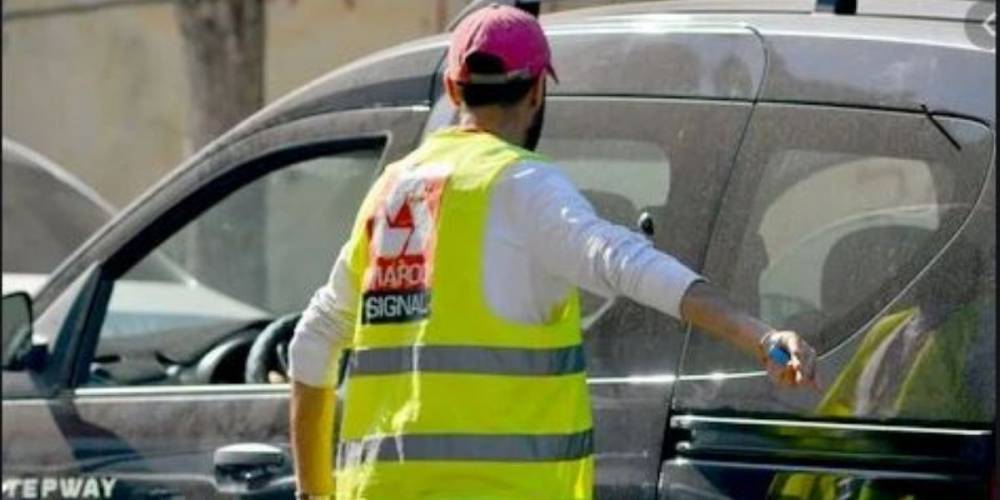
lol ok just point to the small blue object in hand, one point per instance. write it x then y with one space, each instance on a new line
778 355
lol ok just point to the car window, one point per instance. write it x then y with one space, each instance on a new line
833 238
255 255
831 214
621 173
620 177
642 156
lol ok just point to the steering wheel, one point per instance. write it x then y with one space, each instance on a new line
269 352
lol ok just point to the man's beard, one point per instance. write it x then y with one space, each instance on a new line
534 133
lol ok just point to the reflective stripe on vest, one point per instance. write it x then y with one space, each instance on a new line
435 377
491 447
467 359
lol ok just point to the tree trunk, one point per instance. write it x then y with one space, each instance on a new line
224 54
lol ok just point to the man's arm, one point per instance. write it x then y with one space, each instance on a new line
311 428
314 362
707 307
571 241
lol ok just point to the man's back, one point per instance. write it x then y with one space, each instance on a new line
436 381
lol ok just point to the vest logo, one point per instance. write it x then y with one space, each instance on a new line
402 233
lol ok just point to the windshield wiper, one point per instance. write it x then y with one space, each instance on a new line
930 116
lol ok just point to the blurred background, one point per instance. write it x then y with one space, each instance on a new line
120 92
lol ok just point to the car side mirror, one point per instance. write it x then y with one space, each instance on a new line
18 351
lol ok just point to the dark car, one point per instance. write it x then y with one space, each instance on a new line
834 172
47 214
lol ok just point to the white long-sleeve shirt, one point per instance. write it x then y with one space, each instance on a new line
542 238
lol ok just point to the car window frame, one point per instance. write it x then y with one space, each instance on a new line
398 126
186 210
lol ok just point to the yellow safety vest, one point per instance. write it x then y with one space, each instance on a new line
443 399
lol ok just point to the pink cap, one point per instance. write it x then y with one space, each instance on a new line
507 33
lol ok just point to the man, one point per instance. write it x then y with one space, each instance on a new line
478 390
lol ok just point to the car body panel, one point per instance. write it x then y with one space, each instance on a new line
902 66
395 77
692 59
157 442
908 61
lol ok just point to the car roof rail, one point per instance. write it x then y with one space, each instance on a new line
530 6
939 10
944 10
837 6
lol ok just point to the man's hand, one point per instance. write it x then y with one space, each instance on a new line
707 307
800 370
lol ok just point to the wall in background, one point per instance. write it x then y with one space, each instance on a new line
103 92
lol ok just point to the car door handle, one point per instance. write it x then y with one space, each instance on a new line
243 467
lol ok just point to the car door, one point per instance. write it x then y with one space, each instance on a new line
637 91
872 234
633 164
145 381
656 144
